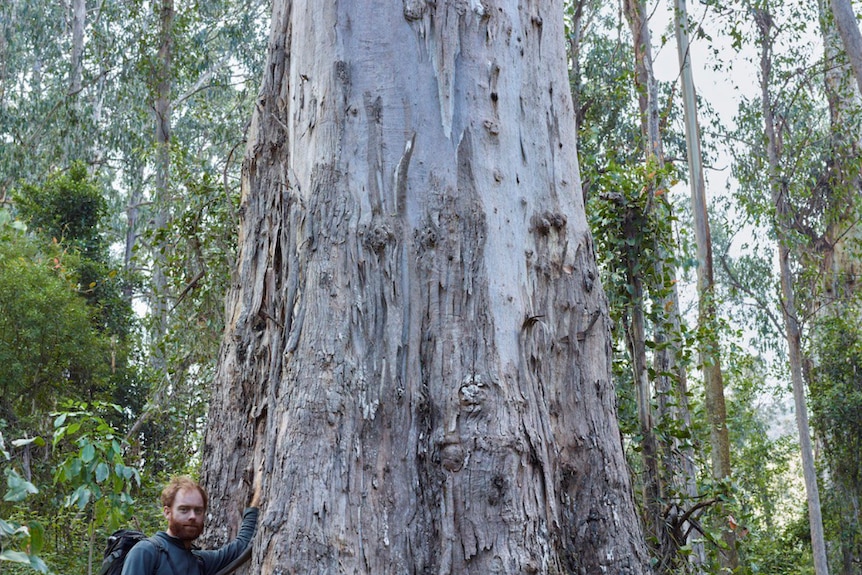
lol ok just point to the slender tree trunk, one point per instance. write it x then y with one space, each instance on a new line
653 493
6 24
779 193
647 88
848 27
79 17
162 108
666 468
417 348
710 350
574 51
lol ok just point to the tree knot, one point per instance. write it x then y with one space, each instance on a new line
377 237
452 453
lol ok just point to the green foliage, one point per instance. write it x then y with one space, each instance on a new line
836 394
784 550
630 220
68 211
69 208
91 467
836 408
48 346
84 494
20 543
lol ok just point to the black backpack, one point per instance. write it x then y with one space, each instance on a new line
118 546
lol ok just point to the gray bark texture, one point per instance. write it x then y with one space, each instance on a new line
845 19
79 17
417 350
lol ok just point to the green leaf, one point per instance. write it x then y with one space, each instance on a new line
6 528
19 488
81 497
61 419
37 537
37 564
88 453
59 433
102 472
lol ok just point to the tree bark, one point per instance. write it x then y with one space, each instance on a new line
793 331
845 19
842 233
162 109
417 348
79 17
710 350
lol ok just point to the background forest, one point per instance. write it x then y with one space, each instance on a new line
725 225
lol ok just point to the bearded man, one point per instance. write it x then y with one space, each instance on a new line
171 552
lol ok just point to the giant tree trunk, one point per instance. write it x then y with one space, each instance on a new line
417 347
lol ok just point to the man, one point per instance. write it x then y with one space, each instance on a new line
184 503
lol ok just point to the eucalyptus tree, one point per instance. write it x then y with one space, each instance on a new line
786 162
834 347
624 160
848 26
636 324
417 353
710 347
162 84
669 477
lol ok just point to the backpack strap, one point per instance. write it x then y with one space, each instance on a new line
160 546
157 543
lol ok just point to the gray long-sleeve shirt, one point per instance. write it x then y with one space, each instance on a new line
145 558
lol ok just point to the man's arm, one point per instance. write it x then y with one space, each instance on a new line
221 557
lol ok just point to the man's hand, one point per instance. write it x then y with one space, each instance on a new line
256 481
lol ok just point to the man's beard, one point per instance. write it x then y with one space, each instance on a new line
186 531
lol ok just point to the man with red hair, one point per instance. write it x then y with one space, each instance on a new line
171 552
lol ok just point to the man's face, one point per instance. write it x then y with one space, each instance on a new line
186 516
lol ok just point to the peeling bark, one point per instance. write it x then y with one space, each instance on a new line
417 347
